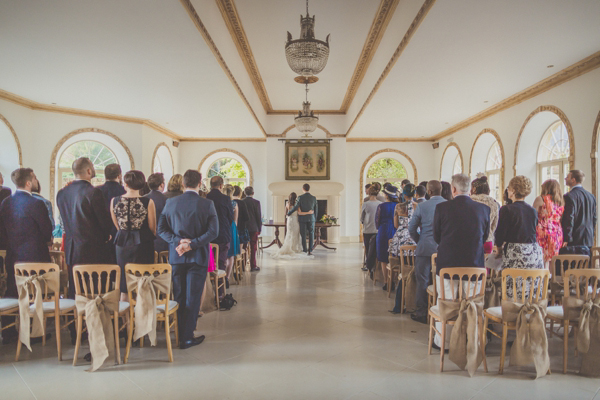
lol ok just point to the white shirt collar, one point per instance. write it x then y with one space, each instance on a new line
192 190
578 185
24 191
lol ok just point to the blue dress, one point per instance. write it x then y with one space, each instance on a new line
384 221
234 249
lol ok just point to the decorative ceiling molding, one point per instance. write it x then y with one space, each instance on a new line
233 22
579 68
187 4
388 68
264 139
386 139
289 128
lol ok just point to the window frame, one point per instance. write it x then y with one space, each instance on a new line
560 162
62 170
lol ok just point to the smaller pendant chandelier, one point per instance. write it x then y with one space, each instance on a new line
306 121
307 56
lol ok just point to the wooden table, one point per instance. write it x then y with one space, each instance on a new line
317 242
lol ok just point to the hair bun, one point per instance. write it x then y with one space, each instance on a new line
483 179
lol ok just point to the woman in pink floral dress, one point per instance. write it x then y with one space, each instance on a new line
550 207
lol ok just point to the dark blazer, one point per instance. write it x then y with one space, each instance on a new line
189 216
111 189
224 212
254 223
159 200
460 228
86 221
4 193
579 217
306 202
27 228
243 216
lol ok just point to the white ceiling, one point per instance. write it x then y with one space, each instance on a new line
146 59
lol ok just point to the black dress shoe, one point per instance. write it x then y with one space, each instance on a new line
365 269
422 319
395 312
194 342
436 347
255 269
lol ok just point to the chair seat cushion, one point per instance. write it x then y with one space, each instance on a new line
123 306
161 307
494 312
435 310
48 306
7 304
556 312
430 290
219 272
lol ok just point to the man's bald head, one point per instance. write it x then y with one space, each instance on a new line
83 168
434 188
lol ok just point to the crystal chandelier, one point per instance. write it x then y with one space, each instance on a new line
306 121
307 56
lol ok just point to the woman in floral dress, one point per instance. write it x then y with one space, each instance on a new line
402 216
550 207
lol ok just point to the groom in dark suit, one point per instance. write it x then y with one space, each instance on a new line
306 203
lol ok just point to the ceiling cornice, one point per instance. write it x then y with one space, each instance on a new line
233 22
386 139
405 40
581 67
187 4
264 139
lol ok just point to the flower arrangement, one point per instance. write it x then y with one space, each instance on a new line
328 219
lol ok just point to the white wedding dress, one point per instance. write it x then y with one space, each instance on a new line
292 246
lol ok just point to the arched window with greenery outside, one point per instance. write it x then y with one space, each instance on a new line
231 170
100 155
553 154
493 169
387 170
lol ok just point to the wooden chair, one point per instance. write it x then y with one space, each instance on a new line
558 267
575 280
53 306
540 277
238 268
162 257
470 283
57 245
392 269
217 277
405 262
93 280
432 289
59 258
595 258
165 307
8 306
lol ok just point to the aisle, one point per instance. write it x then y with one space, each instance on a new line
301 330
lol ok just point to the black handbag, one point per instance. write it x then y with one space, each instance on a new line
227 302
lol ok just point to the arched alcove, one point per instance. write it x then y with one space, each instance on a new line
452 162
529 143
10 151
208 161
487 157
162 161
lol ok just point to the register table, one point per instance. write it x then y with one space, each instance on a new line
317 242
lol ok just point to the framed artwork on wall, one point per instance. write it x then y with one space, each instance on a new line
307 161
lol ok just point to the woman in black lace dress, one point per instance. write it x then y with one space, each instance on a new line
135 218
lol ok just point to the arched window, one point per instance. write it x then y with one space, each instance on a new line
493 169
162 161
231 170
553 154
387 170
457 168
100 155
157 167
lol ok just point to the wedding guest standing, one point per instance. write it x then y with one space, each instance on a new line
367 219
156 183
549 206
446 190
579 217
420 194
35 192
305 203
175 186
516 238
243 217
424 184
86 220
189 223
234 247
225 213
384 221
135 218
254 224
112 187
4 191
402 215
480 192
27 230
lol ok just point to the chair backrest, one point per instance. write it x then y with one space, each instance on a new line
539 279
30 269
215 249
407 259
585 283
147 270
58 258
595 258
162 257
56 246
433 274
96 279
564 262
2 261
470 282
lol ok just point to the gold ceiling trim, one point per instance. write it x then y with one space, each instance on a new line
187 4
579 68
263 139
289 128
386 139
383 16
388 68
12 130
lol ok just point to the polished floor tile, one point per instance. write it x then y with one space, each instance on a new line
314 329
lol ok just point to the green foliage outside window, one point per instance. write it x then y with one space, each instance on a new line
387 170
232 171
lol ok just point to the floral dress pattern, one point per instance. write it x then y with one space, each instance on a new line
402 237
549 230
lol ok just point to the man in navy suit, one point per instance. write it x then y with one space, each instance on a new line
156 183
189 223
224 210
27 230
579 217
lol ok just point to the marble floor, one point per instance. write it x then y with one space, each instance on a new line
314 329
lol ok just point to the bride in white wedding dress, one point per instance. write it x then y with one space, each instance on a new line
292 246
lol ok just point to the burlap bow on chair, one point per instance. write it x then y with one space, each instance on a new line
493 289
531 343
145 305
465 346
588 338
51 280
98 312
410 287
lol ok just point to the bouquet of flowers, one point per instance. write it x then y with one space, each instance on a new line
328 219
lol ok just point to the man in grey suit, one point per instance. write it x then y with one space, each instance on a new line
189 223
426 245
306 203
